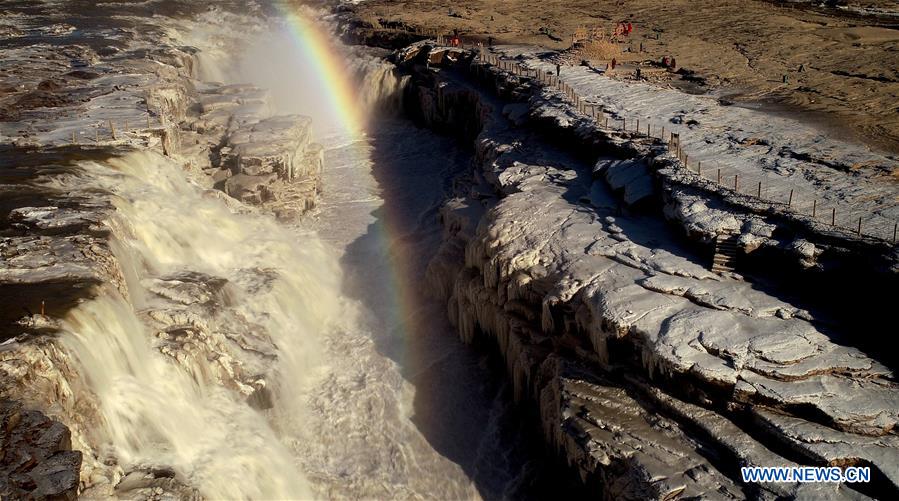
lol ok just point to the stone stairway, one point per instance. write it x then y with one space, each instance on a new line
726 250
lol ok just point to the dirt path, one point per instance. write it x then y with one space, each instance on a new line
740 49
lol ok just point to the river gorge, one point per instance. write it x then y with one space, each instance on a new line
254 251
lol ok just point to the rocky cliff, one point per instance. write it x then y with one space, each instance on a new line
107 128
38 461
654 377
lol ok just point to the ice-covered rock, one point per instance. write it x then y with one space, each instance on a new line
271 146
627 448
260 159
632 177
547 268
251 189
79 116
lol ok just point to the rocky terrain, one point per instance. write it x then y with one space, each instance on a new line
654 376
839 57
111 135
161 318
38 460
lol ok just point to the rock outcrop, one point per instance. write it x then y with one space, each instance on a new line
103 98
274 163
255 157
37 460
654 377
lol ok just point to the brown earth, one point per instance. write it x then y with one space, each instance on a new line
741 49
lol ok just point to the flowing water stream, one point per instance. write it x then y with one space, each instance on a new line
406 410
370 393
156 412
445 409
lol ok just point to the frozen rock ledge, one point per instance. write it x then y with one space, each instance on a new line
108 100
654 377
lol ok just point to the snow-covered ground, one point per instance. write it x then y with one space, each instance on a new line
539 259
781 153
112 135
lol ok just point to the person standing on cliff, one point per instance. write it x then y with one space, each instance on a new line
558 69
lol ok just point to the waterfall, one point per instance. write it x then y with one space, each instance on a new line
222 354
380 88
230 355
274 60
278 294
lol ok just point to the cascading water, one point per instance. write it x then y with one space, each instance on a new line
367 444
279 293
277 62
380 88
258 360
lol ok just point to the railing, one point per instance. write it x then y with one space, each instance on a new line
108 130
766 188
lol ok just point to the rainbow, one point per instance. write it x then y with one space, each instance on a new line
315 44
400 303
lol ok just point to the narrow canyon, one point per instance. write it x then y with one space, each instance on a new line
274 250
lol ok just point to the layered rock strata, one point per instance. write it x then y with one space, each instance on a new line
110 86
654 377
37 460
